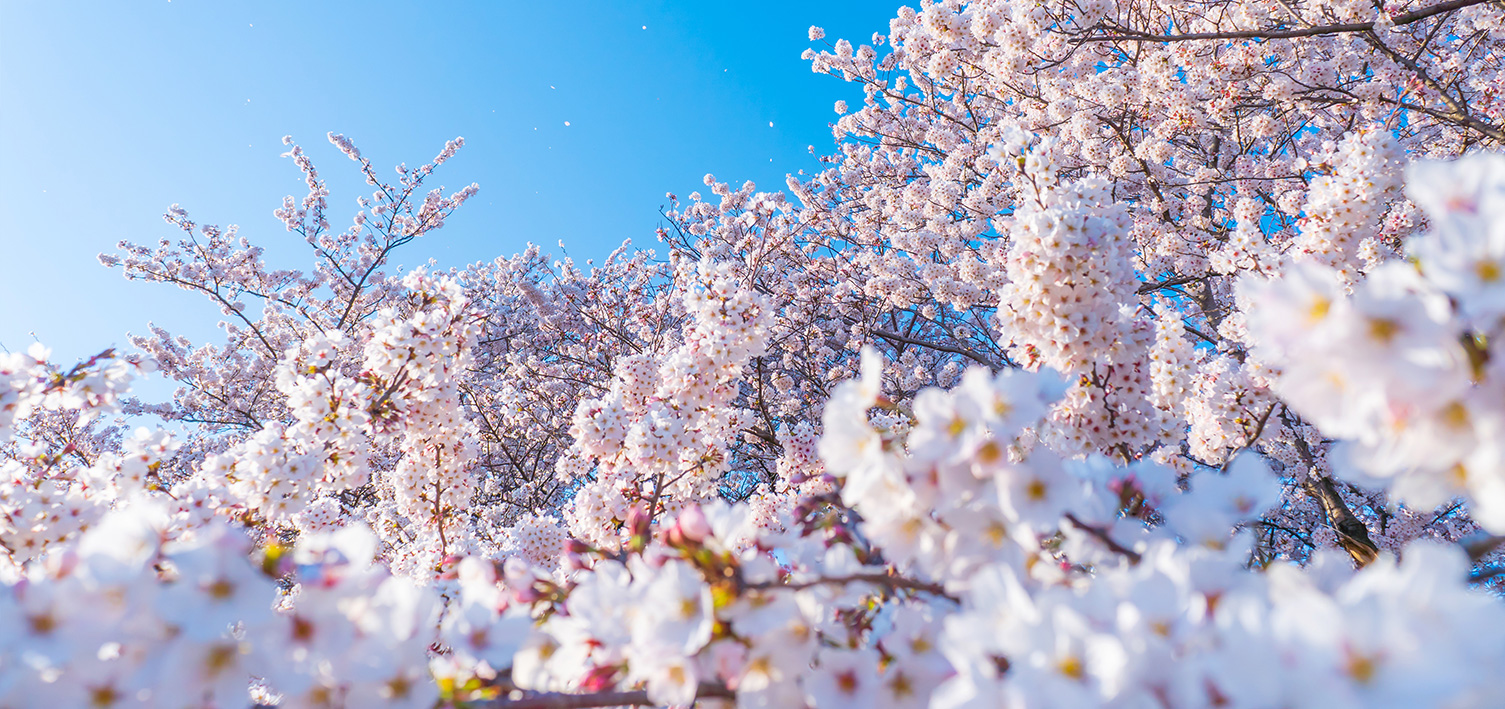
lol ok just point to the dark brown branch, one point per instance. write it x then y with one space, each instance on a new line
896 337
1102 535
1352 533
1442 515
562 700
1481 545
1294 534
1169 282
877 579
1457 110
1259 429
1483 575
1405 18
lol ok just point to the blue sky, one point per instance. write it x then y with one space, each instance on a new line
112 111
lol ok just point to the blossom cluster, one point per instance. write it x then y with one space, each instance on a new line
658 435
1099 367
1403 366
957 561
50 491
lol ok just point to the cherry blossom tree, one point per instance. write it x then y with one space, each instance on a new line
1121 355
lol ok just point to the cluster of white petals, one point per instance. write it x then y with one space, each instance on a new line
1100 366
659 434
1402 366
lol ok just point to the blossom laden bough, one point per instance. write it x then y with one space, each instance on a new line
1100 367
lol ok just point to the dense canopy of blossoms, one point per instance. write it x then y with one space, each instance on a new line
1124 355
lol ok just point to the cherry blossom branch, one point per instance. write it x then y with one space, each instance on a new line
564 700
1128 35
1457 111
1352 533
1251 438
1259 429
1443 514
1170 282
1293 533
1102 535
896 337
1482 546
877 579
438 508
1486 574
226 305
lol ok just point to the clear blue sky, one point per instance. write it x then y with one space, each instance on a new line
111 111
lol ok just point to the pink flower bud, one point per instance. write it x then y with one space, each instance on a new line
638 521
693 525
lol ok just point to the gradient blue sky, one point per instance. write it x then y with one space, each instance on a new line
111 111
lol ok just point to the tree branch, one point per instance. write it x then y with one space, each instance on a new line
564 700
877 579
1405 18
1352 533
896 337
1170 282
1102 535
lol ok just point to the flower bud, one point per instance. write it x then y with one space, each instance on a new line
638 521
693 525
